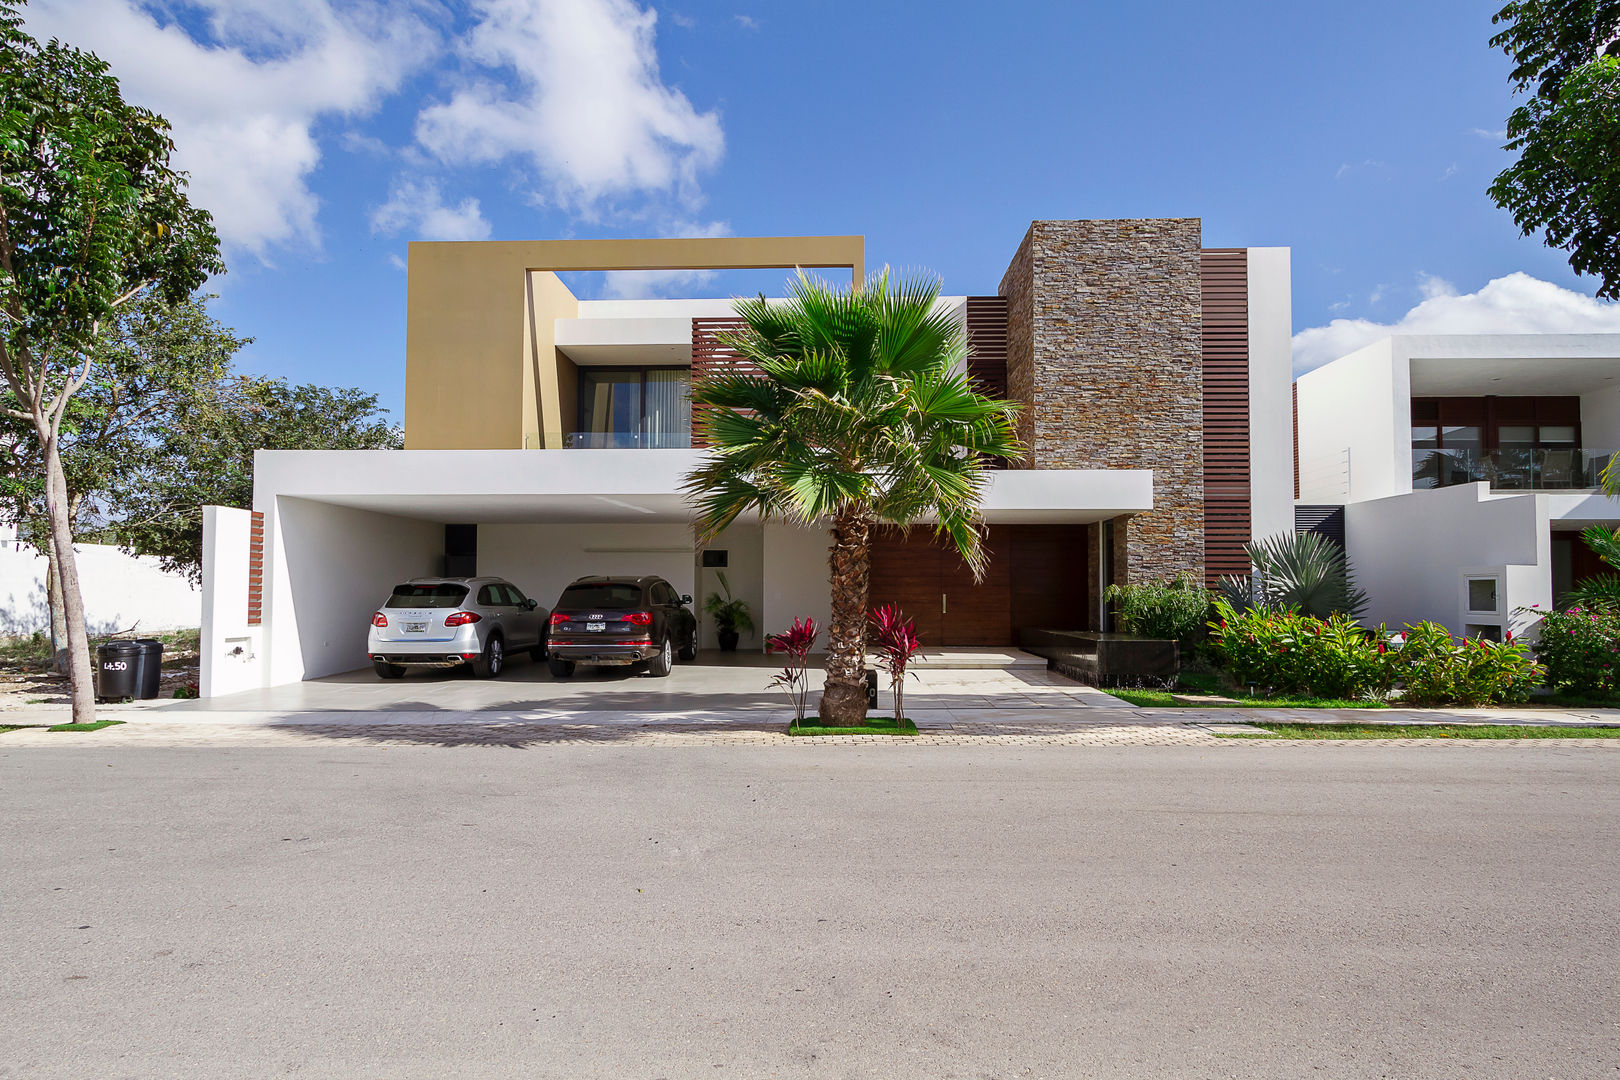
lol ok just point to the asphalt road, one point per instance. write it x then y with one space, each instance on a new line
588 911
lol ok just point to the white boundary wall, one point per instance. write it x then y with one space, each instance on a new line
1414 554
121 591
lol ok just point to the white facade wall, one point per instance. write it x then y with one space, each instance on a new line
231 653
1413 554
121 592
1355 428
543 559
327 568
1600 419
744 546
1271 473
796 582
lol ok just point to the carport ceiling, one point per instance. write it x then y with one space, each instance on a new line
524 509
1434 376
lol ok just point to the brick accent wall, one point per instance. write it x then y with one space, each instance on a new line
255 604
1105 352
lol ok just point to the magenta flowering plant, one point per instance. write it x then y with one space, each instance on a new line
895 638
794 679
1580 647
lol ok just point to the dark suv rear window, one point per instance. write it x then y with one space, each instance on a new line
601 596
427 596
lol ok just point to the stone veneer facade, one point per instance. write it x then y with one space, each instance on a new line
1104 350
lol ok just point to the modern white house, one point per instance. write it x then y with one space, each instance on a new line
1459 470
547 438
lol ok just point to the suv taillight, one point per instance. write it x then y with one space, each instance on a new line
639 618
462 618
379 619
558 618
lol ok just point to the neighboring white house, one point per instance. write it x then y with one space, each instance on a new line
121 591
1466 465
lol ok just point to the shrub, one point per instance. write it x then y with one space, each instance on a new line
1581 648
1176 609
794 679
1439 670
897 642
1304 571
1300 654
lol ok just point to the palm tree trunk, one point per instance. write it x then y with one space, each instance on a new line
843 702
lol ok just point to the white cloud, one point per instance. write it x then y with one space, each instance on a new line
1515 304
396 262
572 87
747 22
244 103
418 207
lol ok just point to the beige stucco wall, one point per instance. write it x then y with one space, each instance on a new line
481 364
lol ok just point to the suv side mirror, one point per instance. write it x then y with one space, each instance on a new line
530 604
686 598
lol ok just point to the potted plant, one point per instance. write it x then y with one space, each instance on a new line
730 614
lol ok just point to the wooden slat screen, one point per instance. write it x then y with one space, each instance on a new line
987 344
708 357
255 603
1225 279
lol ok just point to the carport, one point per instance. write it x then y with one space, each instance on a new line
289 587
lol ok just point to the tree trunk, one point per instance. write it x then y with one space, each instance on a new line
53 597
843 702
80 676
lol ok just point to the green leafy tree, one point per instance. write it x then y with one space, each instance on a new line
151 359
859 415
91 216
1603 590
1565 183
205 457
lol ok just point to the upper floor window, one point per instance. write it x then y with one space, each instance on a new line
630 407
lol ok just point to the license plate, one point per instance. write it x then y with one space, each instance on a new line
415 627
596 627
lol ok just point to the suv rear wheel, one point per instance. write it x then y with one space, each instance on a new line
660 665
560 669
493 661
385 670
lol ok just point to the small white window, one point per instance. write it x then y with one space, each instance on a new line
1485 631
1482 595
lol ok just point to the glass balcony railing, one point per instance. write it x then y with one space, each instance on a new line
1510 470
627 440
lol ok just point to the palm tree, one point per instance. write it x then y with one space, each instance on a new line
859 413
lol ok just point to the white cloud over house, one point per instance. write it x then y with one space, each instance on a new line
572 90
417 208
1515 304
244 103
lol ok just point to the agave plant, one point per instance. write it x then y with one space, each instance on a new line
897 642
1303 571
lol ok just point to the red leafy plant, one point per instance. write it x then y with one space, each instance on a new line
794 679
895 637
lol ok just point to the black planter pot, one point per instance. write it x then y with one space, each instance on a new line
728 640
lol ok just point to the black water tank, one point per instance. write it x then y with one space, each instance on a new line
118 670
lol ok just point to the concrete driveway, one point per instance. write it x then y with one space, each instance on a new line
713 685
571 911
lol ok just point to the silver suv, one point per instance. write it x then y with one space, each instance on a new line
448 621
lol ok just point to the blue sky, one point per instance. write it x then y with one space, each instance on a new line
326 134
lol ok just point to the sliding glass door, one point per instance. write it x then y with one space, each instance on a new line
626 407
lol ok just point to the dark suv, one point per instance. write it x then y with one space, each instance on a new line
621 620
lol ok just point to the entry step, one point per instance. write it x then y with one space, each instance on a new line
974 657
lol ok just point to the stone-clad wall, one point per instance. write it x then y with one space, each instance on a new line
1104 349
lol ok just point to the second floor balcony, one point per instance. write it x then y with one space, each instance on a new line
1505 469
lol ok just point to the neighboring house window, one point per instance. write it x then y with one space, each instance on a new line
625 407
1482 596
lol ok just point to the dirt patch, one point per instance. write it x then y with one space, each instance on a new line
27 680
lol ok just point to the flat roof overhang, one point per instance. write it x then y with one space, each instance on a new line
1517 376
618 486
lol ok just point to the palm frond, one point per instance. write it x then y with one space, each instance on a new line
1308 572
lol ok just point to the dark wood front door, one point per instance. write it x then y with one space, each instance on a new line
933 586
1035 579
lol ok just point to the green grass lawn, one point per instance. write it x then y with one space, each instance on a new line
1423 731
97 726
875 725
